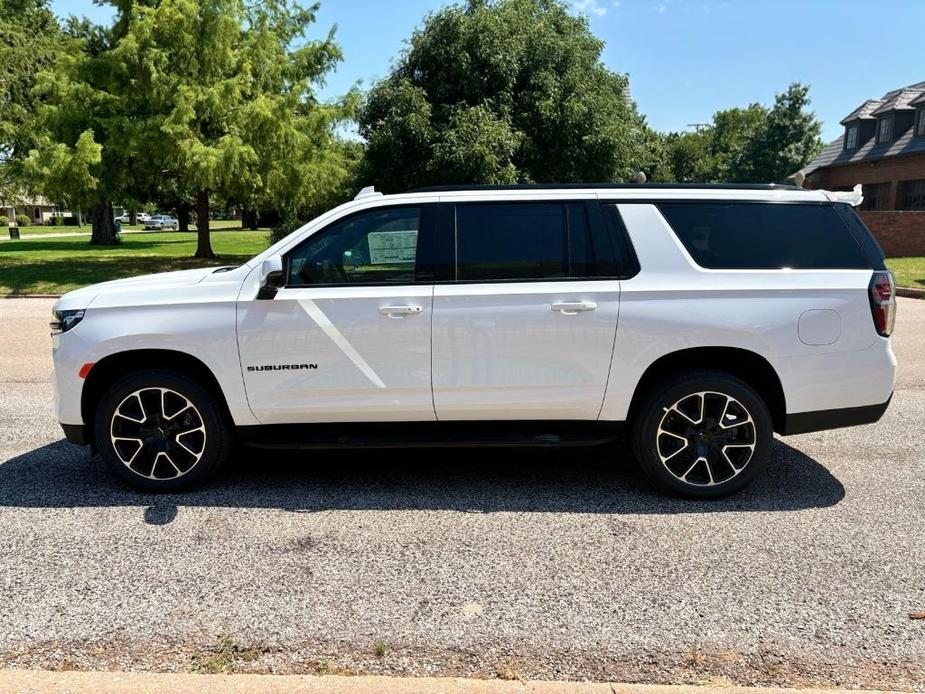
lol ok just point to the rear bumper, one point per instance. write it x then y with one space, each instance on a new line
76 433
805 422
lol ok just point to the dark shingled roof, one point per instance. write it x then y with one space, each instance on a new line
901 102
863 112
907 98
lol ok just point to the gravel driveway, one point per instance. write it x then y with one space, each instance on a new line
488 563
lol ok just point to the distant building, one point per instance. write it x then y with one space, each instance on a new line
882 148
39 210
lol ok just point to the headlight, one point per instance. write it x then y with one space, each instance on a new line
62 321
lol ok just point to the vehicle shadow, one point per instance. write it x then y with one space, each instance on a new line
588 480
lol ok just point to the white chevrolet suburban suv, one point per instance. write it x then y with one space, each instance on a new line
699 320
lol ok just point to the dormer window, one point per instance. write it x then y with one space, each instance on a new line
885 130
920 123
851 137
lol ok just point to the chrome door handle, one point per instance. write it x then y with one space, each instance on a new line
570 308
400 310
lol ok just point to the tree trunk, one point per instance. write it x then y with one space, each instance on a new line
183 210
249 218
104 227
80 218
203 243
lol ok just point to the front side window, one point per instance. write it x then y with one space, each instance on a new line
757 236
885 130
912 194
373 247
523 242
851 138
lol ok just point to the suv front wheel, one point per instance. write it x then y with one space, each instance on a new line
704 434
161 431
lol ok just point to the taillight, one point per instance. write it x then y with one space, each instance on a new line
882 302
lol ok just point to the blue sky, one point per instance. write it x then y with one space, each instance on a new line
686 58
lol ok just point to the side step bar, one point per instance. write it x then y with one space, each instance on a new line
430 435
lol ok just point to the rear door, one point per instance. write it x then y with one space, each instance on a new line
524 328
348 338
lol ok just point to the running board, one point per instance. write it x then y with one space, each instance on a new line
430 435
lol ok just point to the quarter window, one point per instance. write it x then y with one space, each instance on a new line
374 247
851 138
523 241
758 236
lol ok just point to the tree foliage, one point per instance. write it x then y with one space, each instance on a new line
754 144
190 101
498 91
28 40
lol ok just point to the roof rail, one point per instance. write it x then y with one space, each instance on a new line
628 186
367 192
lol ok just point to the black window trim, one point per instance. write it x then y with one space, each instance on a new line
427 230
447 230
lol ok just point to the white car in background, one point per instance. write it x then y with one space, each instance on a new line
694 320
162 222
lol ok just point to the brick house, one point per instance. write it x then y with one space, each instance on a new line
882 148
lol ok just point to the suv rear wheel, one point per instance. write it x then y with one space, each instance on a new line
161 431
704 434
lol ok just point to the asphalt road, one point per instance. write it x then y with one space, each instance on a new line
561 564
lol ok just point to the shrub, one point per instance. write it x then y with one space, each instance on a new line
288 223
71 221
23 220
57 221
4 220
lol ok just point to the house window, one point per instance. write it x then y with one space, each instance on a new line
851 137
912 195
885 130
920 123
876 196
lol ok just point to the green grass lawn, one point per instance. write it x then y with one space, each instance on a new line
909 272
40 265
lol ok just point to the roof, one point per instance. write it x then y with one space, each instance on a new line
863 112
604 186
902 99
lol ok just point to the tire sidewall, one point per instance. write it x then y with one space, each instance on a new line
213 418
670 392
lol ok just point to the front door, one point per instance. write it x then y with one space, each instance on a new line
349 336
526 329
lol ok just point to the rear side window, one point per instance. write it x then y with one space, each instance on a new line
758 236
523 241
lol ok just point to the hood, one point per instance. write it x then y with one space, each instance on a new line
133 289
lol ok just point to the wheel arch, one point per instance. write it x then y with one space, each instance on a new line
114 366
744 364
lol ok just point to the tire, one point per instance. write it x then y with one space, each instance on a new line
184 434
685 436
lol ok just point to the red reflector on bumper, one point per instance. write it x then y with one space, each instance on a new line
85 369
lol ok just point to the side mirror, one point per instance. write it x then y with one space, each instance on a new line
272 277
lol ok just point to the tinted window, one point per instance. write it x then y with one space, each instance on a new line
379 246
764 236
523 241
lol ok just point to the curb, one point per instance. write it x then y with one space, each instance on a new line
31 296
150 682
910 292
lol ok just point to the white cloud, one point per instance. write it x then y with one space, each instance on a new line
590 7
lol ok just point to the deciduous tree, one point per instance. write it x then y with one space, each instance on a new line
497 91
